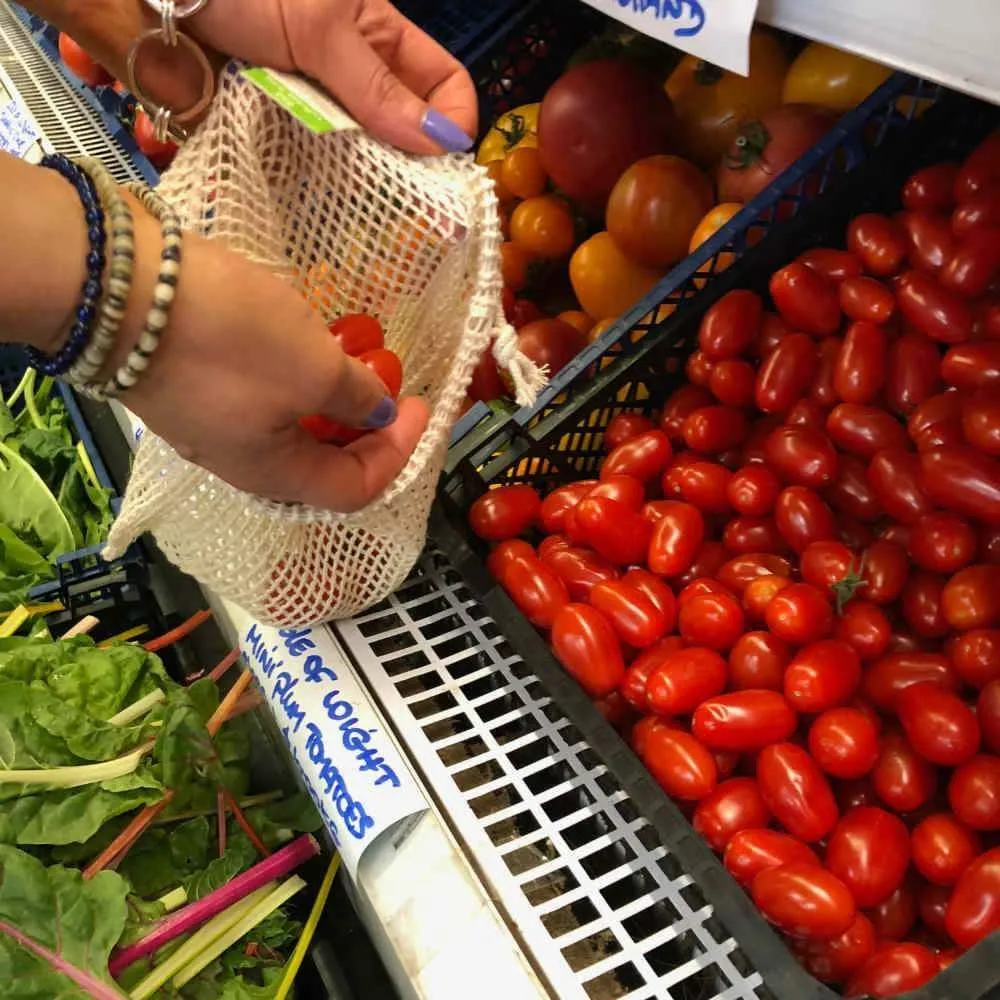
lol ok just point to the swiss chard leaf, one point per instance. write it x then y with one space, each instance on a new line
28 507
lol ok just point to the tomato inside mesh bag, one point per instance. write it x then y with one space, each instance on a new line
356 226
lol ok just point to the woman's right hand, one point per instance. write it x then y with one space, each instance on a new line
243 358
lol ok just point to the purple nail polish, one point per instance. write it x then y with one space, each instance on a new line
441 129
383 415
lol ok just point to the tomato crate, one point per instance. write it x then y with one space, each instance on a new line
560 440
463 27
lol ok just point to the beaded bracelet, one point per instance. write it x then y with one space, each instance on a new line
80 332
111 310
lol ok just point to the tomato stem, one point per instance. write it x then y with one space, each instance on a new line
845 589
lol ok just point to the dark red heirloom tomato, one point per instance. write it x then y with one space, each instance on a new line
643 457
974 909
684 679
844 742
758 660
796 791
730 327
822 675
786 373
801 455
735 805
743 721
974 792
505 512
638 622
836 960
624 427
806 299
800 614
862 361
613 530
680 764
677 536
894 969
869 851
805 901
752 851
536 589
585 643
902 779
943 848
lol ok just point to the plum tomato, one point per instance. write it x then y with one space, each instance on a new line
752 851
963 480
612 529
644 457
864 430
886 569
981 420
758 661
743 721
932 309
822 675
677 536
894 969
742 570
942 542
803 517
983 210
878 242
698 369
759 593
836 960
902 779
932 905
656 591
505 512
753 535
679 406
974 792
895 918
835 265
806 299
555 507
579 569
715 428
619 487
638 622
974 908
971 598
708 559
943 848
930 241
800 614
864 625
897 484
802 456
680 764
860 368
683 679
891 674
913 372
786 373
828 565
733 382
921 606
504 555
585 643
973 264
821 390
624 427
970 366
796 791
864 298
844 742
735 805
869 851
698 481
752 490
804 901
731 326
711 620
975 656
536 589
850 493
931 187
936 422
636 680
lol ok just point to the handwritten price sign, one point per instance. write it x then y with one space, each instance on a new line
715 30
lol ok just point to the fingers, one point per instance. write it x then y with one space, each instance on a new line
347 479
355 395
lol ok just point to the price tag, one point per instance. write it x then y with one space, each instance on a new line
715 30
19 134
301 99
352 769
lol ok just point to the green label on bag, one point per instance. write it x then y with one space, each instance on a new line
301 99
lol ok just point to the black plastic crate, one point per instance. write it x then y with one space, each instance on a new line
564 442
463 27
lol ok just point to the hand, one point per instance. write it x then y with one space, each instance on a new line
235 371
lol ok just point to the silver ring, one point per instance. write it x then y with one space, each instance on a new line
181 10
168 28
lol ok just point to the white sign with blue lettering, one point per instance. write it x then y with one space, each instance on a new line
352 769
715 30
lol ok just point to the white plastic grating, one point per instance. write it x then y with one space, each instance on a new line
69 123
597 901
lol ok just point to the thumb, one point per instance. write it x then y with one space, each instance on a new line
386 106
356 396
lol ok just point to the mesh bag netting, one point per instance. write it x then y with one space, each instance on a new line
356 227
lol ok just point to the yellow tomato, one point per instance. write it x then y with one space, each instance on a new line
828 78
515 128
605 281
710 102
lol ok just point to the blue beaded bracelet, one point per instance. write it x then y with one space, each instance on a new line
86 311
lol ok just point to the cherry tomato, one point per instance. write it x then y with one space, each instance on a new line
800 614
989 544
751 535
543 224
698 481
677 536
803 517
737 573
81 64
885 680
878 242
971 598
579 569
638 622
822 675
613 530
936 422
759 593
988 714
982 210
981 420
929 238
869 851
715 428
683 679
902 779
864 430
796 791
921 605
735 805
932 187
711 620
733 382
624 427
975 656
801 455
805 901
752 851
838 959
644 457
505 512
863 625
555 507
835 265
855 534
943 848
633 687
806 299
826 564
743 721
844 742
942 543
981 169
752 490
970 366
358 334
536 589
680 764
894 970
731 326
758 661
973 264
912 372
585 643
786 373
974 909
932 309
974 792
679 406
863 298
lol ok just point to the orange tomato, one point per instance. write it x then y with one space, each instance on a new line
713 221
829 78
605 281
599 329
494 169
522 172
710 103
514 266
577 318
543 227
655 207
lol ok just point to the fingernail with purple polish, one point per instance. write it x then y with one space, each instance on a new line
441 129
383 415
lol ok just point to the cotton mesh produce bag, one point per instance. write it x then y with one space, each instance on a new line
355 226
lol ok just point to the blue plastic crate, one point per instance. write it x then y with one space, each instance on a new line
463 27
